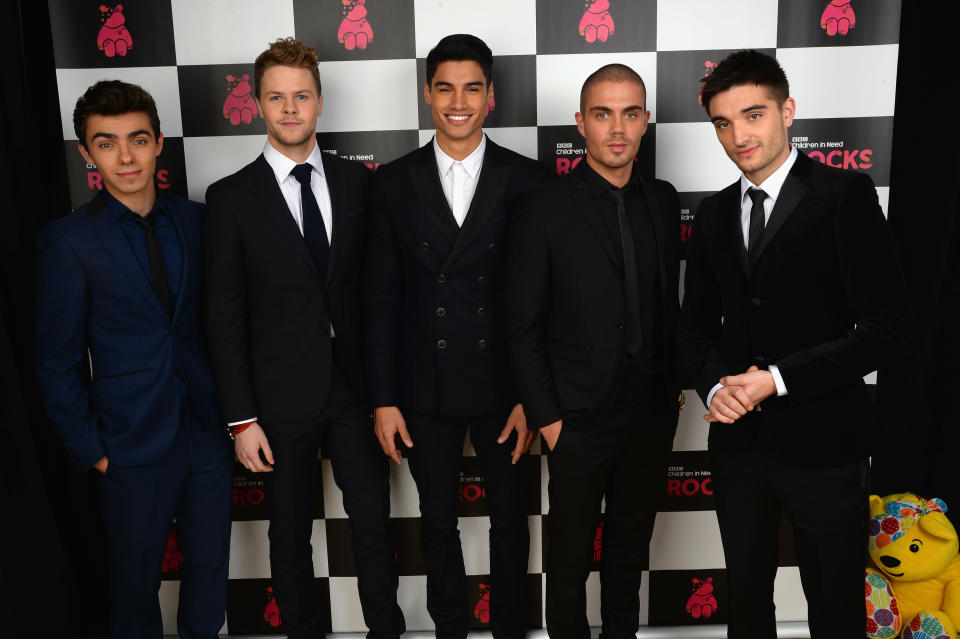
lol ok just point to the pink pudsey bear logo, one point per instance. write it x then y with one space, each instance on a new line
239 106
482 610
271 613
838 18
708 67
701 603
354 32
113 39
596 23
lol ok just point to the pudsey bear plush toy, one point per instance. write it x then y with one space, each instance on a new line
913 584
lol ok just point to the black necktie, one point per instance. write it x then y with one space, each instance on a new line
158 271
631 278
314 230
757 219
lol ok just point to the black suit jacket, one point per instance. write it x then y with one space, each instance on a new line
434 297
268 310
565 300
822 299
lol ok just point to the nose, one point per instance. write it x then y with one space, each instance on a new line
289 106
740 134
126 157
889 562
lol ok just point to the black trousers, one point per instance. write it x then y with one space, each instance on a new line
620 456
829 510
191 482
435 465
345 430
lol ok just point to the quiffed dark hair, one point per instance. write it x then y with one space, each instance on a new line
113 97
458 47
746 67
610 73
286 52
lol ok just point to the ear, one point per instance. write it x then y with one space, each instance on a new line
876 505
938 525
490 94
159 144
245 77
579 118
85 153
230 78
788 110
104 8
426 92
119 7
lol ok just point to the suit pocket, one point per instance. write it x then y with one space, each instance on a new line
120 381
573 352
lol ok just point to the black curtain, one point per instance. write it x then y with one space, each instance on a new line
53 574
919 434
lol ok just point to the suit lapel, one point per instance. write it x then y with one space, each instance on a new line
114 240
588 208
270 198
426 182
490 187
338 198
791 194
658 229
731 207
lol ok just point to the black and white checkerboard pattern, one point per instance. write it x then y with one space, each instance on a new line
192 56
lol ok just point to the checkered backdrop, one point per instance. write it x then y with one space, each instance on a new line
192 55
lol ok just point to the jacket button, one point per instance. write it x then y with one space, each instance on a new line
442 278
482 344
441 311
619 324
173 330
481 310
756 301
425 246
482 280
441 344
493 247
176 372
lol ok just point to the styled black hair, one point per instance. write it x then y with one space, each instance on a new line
746 67
113 97
458 47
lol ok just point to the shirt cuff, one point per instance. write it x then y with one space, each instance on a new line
243 421
778 380
713 392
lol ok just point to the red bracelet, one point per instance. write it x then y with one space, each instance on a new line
233 431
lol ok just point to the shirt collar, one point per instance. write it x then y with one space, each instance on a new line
118 209
772 185
471 163
282 165
599 185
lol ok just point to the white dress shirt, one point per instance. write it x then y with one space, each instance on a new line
290 188
771 186
459 178
282 166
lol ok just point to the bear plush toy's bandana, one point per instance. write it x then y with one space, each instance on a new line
900 516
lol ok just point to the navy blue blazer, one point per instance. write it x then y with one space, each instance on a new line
124 402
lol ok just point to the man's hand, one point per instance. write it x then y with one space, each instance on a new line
517 421
102 465
729 404
387 424
551 433
248 445
758 384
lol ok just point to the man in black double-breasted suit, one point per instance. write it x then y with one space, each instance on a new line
285 238
436 353
793 282
592 280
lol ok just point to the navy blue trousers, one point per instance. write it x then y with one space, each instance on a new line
191 483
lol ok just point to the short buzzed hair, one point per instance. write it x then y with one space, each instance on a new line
610 73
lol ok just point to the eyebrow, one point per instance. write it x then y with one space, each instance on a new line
474 83
114 136
633 107
752 107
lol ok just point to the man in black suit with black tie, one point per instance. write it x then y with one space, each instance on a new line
793 282
592 279
436 353
285 238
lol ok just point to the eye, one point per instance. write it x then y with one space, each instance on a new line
302 97
140 141
631 116
601 115
754 116
274 98
721 125
914 548
105 145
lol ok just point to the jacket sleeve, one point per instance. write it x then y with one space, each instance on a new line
526 298
875 292
63 365
382 298
701 315
225 307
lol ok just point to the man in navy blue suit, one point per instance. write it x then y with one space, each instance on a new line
124 372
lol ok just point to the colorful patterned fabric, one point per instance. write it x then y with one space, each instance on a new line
900 516
925 626
883 613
